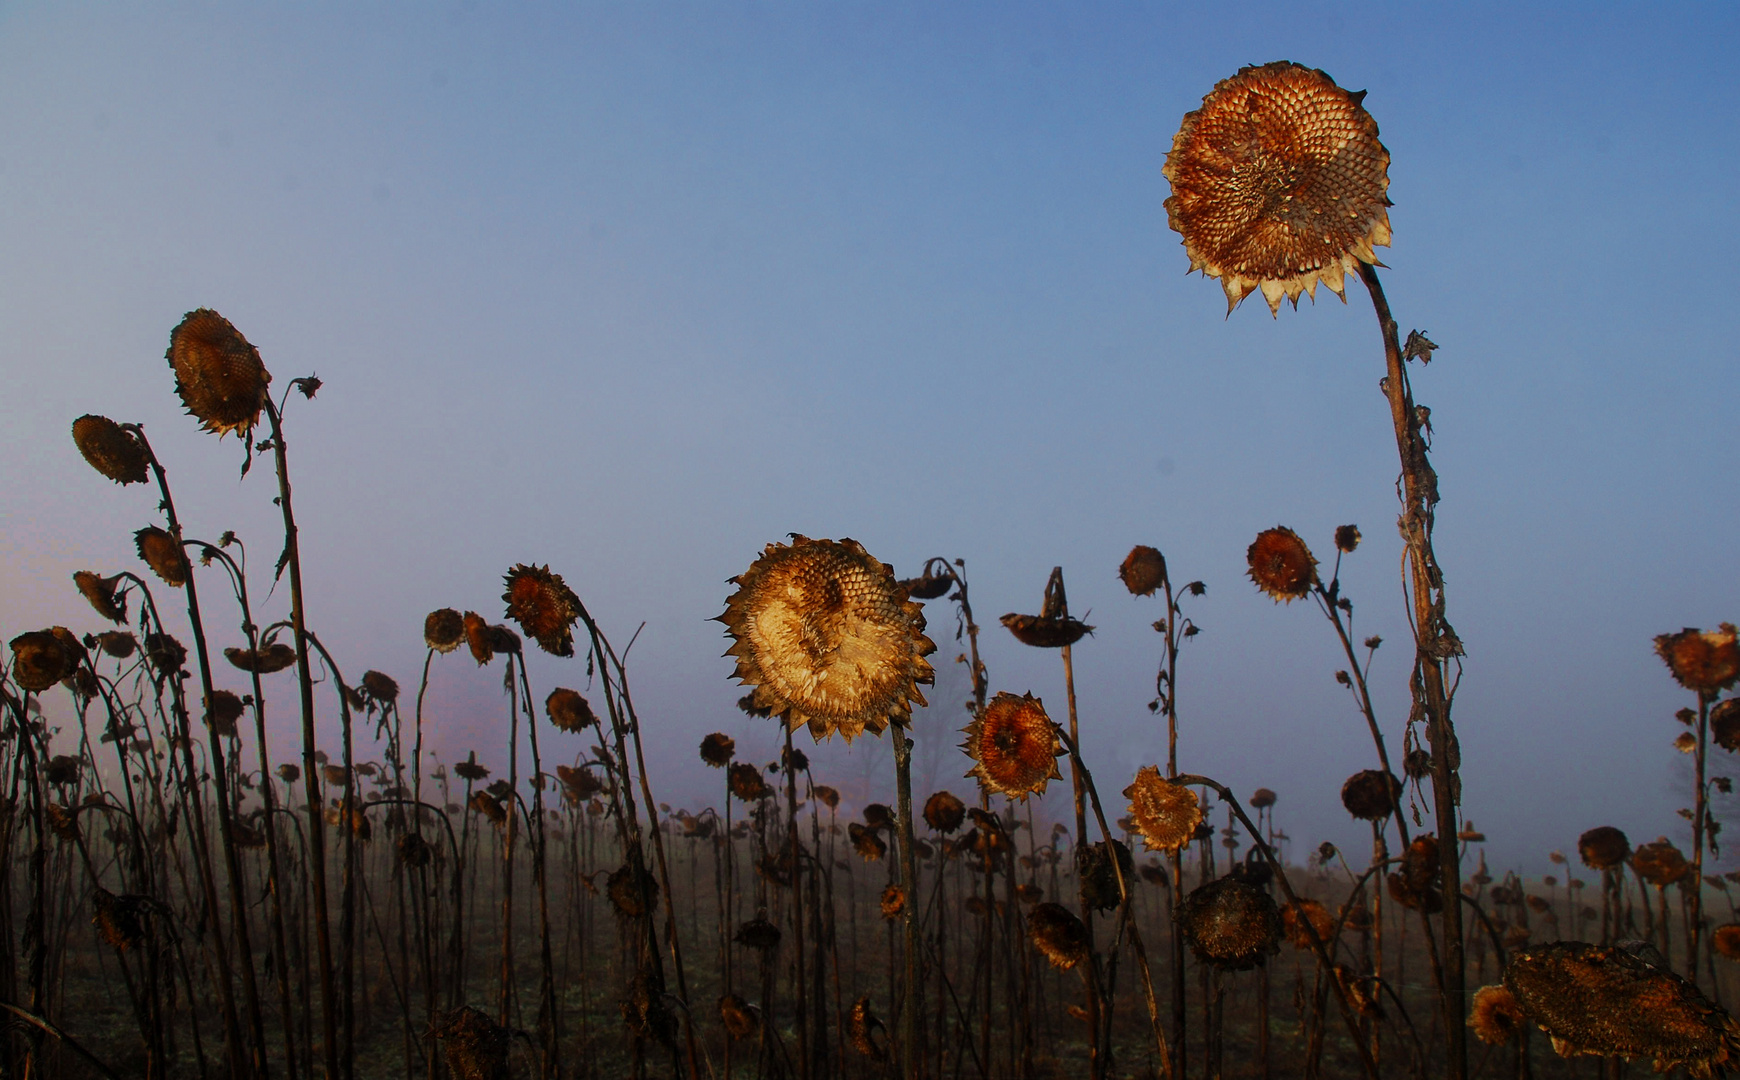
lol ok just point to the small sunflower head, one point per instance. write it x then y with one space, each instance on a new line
1371 794
1725 724
120 919
1278 183
866 843
1495 1017
1097 876
544 606
162 552
1056 932
1230 924
747 783
1046 632
1281 564
1300 917
829 796
111 449
380 687
568 710
1660 863
264 660
219 376
1166 814
1603 848
222 710
718 749
119 644
1143 570
42 658
944 812
1726 941
633 891
758 934
738 1016
444 630
828 638
1703 661
893 902
1611 1001
1347 538
1263 798
1014 746
62 769
485 640
861 1024
414 851
1416 884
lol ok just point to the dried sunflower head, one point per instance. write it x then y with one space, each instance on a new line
222 710
866 843
414 851
1263 798
718 749
1056 932
117 643
162 552
1014 746
1609 1001
1046 633
830 797
476 1046
1143 570
1371 795
444 630
264 660
1300 917
828 638
944 812
1098 878
41 658
62 769
1603 848
747 783
1347 538
111 449
1704 661
469 769
120 919
568 710
1281 564
1726 941
739 1017
486 640
633 891
544 606
380 687
1230 924
1166 814
1278 182
1660 863
893 902
103 595
487 805
1495 1017
219 376
1417 883
1725 724
860 1023
878 816
758 934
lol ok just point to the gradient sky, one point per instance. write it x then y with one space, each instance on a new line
635 289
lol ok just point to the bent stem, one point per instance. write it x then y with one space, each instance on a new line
910 1005
1435 644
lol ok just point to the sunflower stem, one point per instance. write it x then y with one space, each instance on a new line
1434 645
912 1055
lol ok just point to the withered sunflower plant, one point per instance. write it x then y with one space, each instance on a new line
1279 184
829 639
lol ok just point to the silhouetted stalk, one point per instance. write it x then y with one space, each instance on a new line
912 1053
1435 644
540 875
239 581
509 832
1090 970
292 558
794 847
256 1049
1700 819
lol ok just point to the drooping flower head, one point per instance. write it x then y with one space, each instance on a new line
42 658
1166 814
944 812
568 710
219 376
828 638
1603 848
1609 1001
1705 661
1495 1017
1014 746
1300 917
718 749
1278 182
1143 570
103 594
1230 924
544 606
163 553
265 660
1371 794
1281 564
1059 934
111 449
444 630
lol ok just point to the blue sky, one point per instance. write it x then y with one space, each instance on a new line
635 289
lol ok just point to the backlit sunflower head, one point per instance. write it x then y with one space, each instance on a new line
219 376
1014 746
544 606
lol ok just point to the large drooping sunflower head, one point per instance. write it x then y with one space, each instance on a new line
1230 924
1609 1001
1278 182
1014 746
116 452
219 376
1166 814
828 638
544 606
